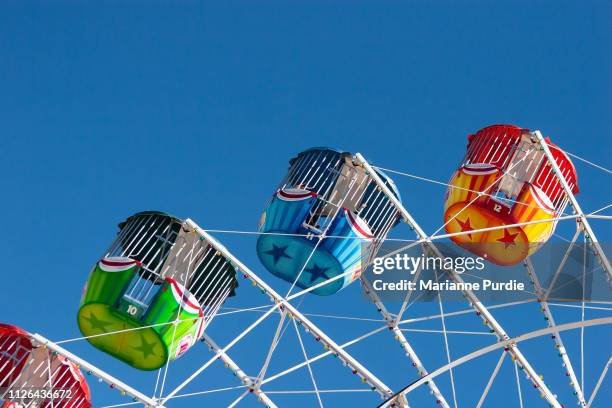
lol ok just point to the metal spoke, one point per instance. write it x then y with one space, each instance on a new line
491 379
399 335
599 381
497 346
474 301
312 379
518 385
237 371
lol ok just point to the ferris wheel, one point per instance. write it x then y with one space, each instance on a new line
164 281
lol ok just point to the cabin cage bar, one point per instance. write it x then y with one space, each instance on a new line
338 181
94 370
26 369
507 178
517 153
326 218
166 247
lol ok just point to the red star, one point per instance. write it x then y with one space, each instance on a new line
465 226
508 239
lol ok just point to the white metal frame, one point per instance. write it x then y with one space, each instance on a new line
474 301
383 389
283 305
590 235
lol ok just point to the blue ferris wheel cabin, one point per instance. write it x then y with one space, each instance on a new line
326 218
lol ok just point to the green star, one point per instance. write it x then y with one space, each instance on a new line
145 348
96 323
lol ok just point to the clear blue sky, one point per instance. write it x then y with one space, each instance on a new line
111 108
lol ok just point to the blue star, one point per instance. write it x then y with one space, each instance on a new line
278 252
316 272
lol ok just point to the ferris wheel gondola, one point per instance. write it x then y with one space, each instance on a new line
506 179
324 218
158 287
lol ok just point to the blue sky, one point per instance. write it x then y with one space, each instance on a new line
195 108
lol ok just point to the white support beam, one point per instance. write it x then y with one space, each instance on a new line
485 350
234 368
590 235
491 380
308 365
399 336
556 335
355 365
326 353
599 381
473 299
109 379
518 385
572 243
217 355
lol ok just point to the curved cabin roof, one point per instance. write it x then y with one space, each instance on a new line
513 133
149 212
386 179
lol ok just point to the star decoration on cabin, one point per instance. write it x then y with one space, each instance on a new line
508 239
95 323
465 226
317 272
278 252
147 349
